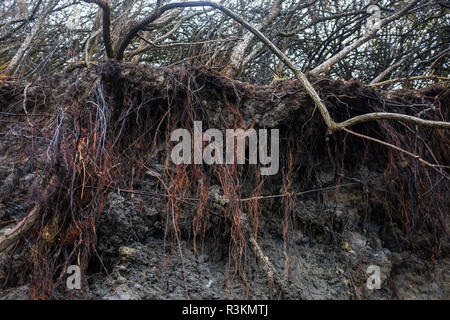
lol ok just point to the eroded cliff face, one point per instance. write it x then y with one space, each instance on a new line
144 228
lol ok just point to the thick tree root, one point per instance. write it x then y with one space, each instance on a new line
274 280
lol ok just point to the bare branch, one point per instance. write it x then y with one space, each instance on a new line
237 56
160 22
318 20
106 8
11 236
392 116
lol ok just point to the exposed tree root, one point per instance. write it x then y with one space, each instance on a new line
10 237
274 280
